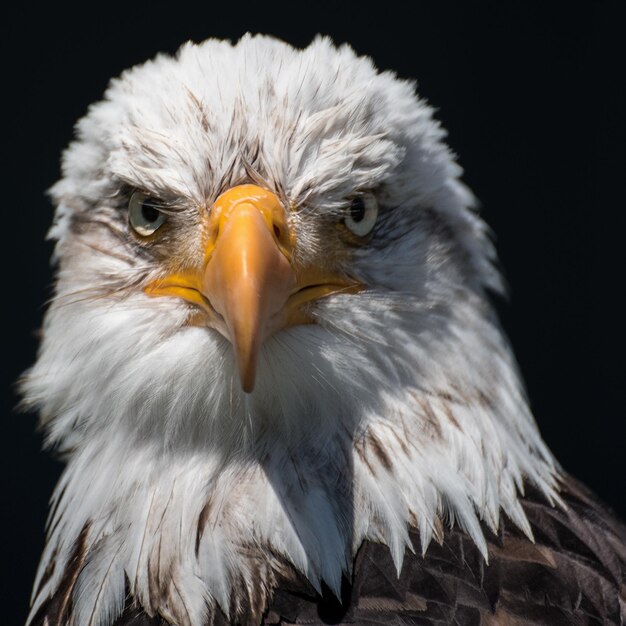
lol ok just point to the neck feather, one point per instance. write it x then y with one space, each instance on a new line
195 523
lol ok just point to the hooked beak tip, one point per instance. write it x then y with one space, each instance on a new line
247 383
246 359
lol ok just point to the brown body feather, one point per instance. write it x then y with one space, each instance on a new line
574 573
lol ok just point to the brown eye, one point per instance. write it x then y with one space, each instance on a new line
144 215
362 215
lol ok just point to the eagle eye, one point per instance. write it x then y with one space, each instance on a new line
144 215
362 215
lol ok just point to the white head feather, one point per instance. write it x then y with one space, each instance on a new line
401 406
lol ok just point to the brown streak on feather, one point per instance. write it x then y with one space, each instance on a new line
55 612
380 452
47 573
523 550
446 396
500 618
75 566
359 448
429 415
152 585
81 222
438 530
181 604
450 415
204 119
257 599
401 442
411 602
485 400
203 519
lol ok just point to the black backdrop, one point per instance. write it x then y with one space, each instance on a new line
533 99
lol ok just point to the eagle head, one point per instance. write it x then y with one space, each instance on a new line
271 336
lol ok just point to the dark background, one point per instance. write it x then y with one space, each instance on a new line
533 99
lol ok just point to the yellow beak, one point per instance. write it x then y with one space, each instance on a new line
246 286
248 278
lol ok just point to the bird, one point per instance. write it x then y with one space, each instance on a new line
274 370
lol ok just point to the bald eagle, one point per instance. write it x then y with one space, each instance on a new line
275 373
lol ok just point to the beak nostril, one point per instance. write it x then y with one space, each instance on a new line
277 231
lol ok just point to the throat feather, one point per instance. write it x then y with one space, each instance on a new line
199 534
